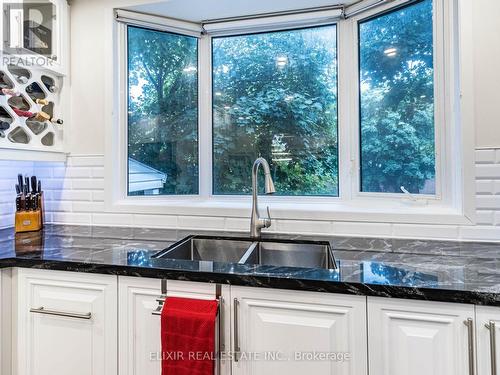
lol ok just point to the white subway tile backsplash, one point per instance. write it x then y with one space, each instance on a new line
86 161
485 187
79 172
6 220
72 195
479 233
98 196
112 219
56 183
59 172
71 218
88 184
58 206
488 171
98 172
155 221
75 195
237 224
299 226
427 231
88 206
200 222
486 156
485 217
489 202
364 229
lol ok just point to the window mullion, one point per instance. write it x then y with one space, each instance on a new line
347 110
205 116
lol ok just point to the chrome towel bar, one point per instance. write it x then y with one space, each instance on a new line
220 328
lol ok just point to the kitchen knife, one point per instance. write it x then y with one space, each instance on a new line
20 180
18 198
33 184
27 195
39 187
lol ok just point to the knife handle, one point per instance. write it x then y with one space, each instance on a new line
20 181
18 203
33 184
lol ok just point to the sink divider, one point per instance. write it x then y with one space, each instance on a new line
249 252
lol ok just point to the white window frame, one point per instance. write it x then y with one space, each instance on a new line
452 204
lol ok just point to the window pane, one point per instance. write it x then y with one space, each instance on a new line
162 113
397 101
275 96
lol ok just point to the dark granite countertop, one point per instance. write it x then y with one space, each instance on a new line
463 272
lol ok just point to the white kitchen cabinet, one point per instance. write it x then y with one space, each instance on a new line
5 322
488 358
418 337
279 332
65 323
140 344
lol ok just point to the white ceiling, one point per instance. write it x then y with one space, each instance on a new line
199 10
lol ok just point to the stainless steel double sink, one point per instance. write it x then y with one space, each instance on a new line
271 252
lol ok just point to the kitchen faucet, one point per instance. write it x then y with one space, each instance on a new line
256 222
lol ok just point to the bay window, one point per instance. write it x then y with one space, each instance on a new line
354 110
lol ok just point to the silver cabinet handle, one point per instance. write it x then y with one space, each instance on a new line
470 338
236 337
493 346
43 310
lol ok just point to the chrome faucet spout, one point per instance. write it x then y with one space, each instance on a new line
256 222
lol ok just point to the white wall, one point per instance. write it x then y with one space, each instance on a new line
486 19
90 21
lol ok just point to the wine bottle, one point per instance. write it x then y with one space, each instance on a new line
10 92
42 101
4 125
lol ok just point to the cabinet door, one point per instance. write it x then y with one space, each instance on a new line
418 337
297 333
139 330
66 323
486 344
140 344
5 322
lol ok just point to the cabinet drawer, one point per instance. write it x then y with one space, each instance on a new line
66 323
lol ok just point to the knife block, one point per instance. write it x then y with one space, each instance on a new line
30 221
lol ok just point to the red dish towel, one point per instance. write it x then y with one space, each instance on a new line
188 336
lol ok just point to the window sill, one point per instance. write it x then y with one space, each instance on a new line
328 209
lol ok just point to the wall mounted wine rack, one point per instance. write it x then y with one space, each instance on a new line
30 109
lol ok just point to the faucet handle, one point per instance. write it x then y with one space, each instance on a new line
267 220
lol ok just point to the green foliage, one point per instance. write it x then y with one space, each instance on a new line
397 100
163 106
276 97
